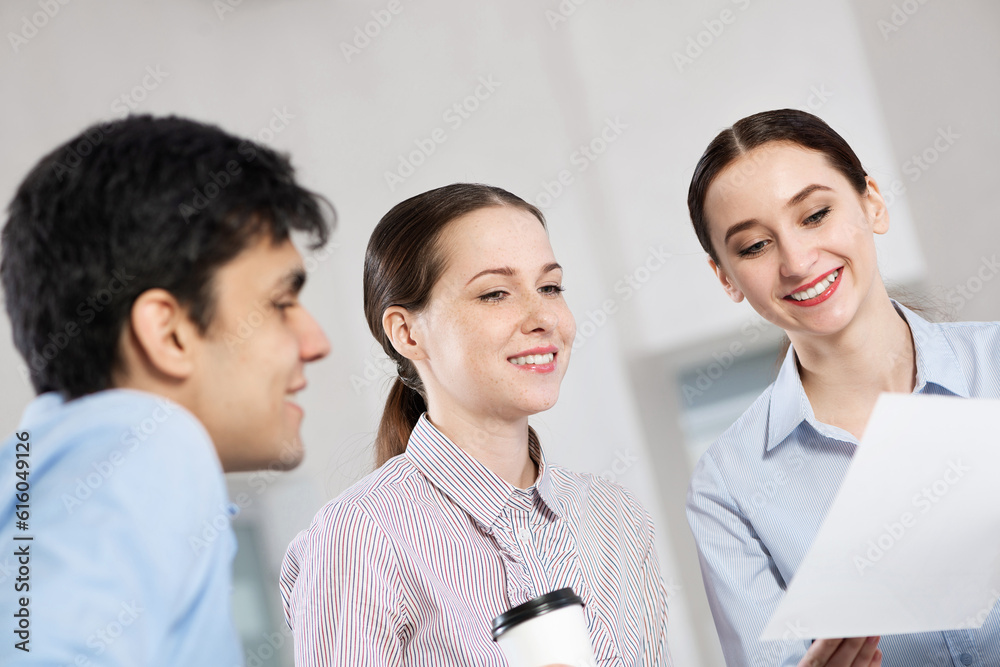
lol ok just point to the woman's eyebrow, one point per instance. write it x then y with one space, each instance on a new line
805 192
739 227
501 271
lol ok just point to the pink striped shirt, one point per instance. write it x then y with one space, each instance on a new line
411 564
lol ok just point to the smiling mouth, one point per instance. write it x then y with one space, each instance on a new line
817 288
533 359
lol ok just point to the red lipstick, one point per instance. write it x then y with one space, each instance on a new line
821 297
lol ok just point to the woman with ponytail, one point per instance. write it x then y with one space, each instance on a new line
464 517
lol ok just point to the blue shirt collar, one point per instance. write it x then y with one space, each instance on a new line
936 364
480 492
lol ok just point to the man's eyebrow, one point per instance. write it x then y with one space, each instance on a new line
500 271
805 192
292 282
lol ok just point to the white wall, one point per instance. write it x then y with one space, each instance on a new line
555 85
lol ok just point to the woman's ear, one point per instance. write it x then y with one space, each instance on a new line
878 210
731 289
162 337
403 330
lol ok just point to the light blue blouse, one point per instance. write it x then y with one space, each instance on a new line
760 493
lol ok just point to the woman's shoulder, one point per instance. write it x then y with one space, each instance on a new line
972 332
379 494
582 493
748 431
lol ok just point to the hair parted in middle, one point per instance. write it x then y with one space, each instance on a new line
403 262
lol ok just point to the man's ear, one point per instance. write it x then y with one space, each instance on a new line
732 290
878 210
164 334
403 330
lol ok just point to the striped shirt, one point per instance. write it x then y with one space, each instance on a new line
760 493
411 564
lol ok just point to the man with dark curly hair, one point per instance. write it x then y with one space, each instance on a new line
153 291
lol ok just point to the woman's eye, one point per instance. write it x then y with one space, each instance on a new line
754 250
817 216
282 305
551 289
493 297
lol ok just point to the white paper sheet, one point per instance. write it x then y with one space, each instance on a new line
912 540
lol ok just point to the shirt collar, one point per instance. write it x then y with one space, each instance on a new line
936 360
936 364
478 491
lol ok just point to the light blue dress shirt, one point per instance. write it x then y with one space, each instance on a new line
760 493
130 557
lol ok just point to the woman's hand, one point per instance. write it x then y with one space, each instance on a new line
853 652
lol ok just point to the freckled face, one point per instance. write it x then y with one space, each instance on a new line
496 332
795 239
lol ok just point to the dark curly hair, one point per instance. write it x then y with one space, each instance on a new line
125 207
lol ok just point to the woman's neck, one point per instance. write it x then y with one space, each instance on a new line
843 374
501 446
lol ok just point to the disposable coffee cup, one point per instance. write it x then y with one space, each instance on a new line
548 630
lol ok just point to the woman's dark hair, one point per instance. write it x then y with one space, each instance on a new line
403 262
128 206
789 125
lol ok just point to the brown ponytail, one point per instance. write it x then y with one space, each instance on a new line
402 264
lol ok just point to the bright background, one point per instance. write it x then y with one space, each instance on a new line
645 85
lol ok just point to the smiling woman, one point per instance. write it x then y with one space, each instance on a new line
788 215
465 518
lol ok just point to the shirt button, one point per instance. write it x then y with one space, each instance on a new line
966 659
524 535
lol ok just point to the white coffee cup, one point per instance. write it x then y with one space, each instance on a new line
547 631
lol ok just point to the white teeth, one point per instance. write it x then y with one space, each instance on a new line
533 359
818 288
